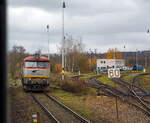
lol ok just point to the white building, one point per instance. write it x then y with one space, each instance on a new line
110 63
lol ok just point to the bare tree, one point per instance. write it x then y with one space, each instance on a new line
15 59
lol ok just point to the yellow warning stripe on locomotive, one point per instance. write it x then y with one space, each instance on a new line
36 76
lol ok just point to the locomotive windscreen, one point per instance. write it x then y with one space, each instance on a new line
30 64
42 64
37 64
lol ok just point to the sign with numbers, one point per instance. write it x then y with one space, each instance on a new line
114 73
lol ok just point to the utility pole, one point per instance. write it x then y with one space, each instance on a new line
48 39
48 45
136 59
63 39
145 56
115 58
91 58
125 56
116 101
65 53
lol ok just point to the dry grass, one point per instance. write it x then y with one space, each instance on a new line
77 86
128 77
106 108
104 79
21 107
86 76
101 109
145 80
98 109
69 74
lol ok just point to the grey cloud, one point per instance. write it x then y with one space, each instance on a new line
102 24
80 7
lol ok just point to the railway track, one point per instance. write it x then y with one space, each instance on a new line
75 77
57 111
99 85
49 114
138 98
121 96
127 86
131 96
137 93
125 99
141 87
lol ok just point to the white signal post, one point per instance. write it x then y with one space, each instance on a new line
146 55
48 39
63 39
48 44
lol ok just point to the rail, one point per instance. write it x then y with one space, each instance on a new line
45 109
122 97
67 108
138 97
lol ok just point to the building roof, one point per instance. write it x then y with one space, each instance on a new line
110 59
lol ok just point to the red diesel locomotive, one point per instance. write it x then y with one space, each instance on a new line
35 73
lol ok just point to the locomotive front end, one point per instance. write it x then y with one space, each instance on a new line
36 73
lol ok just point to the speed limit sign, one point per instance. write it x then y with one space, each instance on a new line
113 73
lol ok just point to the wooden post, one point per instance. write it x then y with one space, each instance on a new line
38 117
116 103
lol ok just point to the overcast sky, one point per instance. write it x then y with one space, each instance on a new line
102 24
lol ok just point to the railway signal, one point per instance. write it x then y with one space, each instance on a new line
36 118
148 31
48 38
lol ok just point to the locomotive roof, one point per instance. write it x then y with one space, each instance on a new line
32 58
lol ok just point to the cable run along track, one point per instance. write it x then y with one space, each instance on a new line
57 111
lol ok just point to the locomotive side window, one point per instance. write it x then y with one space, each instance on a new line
31 64
42 64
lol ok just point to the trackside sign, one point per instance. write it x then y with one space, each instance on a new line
113 73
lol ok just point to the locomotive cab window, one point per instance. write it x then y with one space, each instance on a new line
30 64
37 64
42 64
